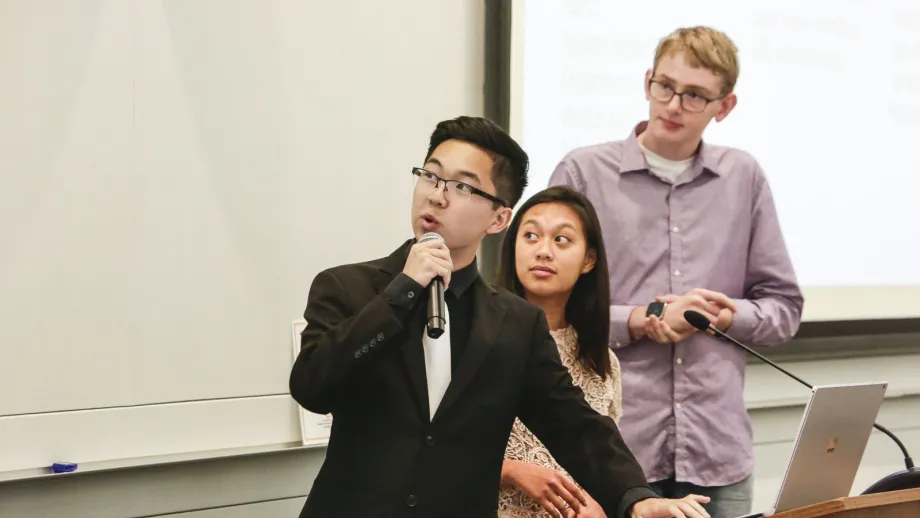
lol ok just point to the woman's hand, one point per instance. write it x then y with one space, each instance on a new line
554 491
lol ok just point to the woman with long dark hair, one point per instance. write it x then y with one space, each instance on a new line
553 256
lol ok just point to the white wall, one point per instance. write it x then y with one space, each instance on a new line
175 173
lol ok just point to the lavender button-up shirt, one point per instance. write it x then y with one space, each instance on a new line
715 227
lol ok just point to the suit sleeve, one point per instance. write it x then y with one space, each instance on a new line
340 341
587 444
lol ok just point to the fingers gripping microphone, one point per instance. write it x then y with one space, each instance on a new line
907 479
436 312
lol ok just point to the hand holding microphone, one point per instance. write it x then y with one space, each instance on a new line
428 259
429 264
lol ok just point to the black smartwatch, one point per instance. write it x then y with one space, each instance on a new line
656 308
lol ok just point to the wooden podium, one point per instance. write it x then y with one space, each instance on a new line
894 504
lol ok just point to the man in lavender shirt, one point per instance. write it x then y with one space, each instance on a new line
688 225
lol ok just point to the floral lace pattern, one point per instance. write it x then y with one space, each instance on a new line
605 396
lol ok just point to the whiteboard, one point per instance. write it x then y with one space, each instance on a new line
172 182
829 104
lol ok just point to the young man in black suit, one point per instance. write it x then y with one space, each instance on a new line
420 425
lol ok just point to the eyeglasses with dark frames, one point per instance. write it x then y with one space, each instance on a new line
691 101
461 190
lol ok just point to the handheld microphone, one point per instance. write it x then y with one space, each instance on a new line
905 479
435 318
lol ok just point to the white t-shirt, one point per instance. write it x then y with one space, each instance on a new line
667 170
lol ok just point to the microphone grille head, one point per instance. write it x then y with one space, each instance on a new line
696 319
431 236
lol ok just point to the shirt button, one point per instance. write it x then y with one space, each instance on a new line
379 337
364 348
411 500
618 344
429 440
373 342
677 273
675 229
410 294
680 361
357 354
677 406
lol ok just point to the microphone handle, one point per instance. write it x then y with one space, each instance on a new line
907 460
435 320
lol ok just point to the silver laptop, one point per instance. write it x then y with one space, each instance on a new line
830 444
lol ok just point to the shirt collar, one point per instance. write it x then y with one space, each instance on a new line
634 159
463 278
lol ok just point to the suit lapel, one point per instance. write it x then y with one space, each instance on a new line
412 352
488 316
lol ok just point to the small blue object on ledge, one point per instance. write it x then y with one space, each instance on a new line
63 467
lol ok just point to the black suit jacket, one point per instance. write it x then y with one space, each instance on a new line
385 458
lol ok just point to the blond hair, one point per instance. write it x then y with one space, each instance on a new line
703 47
